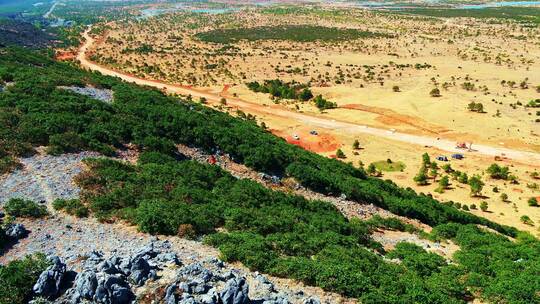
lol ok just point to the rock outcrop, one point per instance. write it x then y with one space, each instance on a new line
50 281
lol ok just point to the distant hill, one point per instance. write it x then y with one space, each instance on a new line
13 32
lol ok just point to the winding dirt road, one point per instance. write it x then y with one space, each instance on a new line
312 121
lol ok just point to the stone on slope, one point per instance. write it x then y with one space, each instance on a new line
50 280
16 231
235 292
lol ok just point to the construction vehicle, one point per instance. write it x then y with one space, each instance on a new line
463 145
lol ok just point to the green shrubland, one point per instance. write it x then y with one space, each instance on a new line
273 232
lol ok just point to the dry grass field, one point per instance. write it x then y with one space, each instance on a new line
379 68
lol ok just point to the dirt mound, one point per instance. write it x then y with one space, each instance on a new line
390 117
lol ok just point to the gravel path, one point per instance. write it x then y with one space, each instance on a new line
104 95
44 178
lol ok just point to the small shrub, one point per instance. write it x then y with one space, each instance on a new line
72 207
533 202
18 207
484 206
525 219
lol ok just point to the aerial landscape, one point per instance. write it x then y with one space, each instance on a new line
269 151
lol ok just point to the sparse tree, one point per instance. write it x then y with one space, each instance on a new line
476 184
421 178
525 219
435 92
484 206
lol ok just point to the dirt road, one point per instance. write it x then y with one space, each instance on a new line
49 12
308 120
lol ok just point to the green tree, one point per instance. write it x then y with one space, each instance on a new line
435 92
426 161
476 184
421 178
497 172
484 206
340 154
444 182
525 219
371 169
533 202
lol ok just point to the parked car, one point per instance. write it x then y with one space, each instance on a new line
457 156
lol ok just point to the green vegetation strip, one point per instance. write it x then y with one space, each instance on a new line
269 231
300 33
389 166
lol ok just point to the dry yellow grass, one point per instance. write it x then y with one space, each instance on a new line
359 76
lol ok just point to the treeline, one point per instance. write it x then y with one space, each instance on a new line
298 33
290 90
279 89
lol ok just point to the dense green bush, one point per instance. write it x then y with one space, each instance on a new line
72 206
280 89
18 277
8 164
18 207
300 33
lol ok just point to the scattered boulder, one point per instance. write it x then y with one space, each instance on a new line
85 286
107 267
49 281
168 258
16 231
265 283
312 301
171 296
113 289
196 270
235 292
211 297
140 271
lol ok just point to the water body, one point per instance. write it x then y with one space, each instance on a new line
500 4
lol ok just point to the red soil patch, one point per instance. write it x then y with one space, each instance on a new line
225 89
65 55
321 143
390 117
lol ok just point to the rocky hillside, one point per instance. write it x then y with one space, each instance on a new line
206 186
